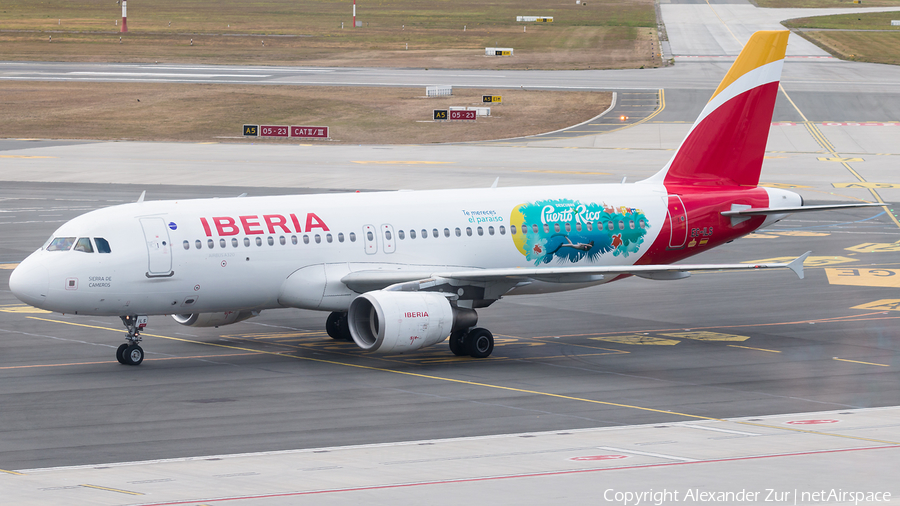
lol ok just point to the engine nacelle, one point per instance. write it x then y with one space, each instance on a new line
397 322
213 319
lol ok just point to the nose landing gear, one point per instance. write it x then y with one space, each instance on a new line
131 353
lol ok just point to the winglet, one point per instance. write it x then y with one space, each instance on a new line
141 198
796 264
494 185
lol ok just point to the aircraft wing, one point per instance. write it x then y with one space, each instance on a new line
362 281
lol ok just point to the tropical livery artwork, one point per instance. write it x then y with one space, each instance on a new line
568 231
396 281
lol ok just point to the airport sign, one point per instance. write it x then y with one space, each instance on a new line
317 132
273 131
463 115
440 114
251 130
496 99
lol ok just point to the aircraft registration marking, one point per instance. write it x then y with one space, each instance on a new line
809 262
888 278
881 304
864 184
875 247
707 336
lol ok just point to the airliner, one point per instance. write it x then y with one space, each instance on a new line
401 271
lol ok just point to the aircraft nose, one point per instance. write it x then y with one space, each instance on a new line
30 282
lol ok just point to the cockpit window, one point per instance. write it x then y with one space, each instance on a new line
61 244
102 245
84 244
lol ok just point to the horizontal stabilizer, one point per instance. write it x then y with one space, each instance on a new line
763 211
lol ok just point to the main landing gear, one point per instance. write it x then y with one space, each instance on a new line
131 353
475 342
337 326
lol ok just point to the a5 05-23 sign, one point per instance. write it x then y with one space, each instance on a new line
315 132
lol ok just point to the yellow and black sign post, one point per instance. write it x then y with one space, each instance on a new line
251 130
440 115
491 99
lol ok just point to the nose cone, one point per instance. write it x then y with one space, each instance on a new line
30 282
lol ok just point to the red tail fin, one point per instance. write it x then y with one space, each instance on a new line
725 147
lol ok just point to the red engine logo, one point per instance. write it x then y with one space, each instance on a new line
416 314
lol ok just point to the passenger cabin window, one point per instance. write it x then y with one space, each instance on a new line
102 245
61 244
84 245
401 234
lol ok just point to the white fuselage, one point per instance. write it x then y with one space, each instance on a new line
211 255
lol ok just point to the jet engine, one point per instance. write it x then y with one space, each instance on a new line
398 322
213 319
